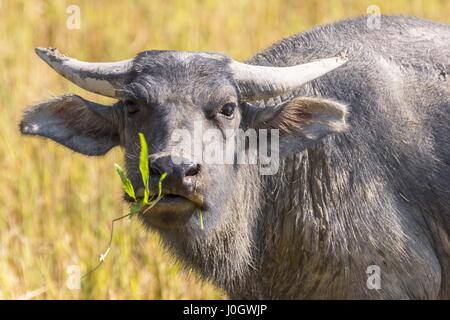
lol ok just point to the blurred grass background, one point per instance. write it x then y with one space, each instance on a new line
56 206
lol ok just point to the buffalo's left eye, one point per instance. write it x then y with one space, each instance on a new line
228 109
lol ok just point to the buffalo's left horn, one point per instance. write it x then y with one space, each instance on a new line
260 82
102 78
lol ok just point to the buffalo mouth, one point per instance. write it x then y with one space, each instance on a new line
171 198
180 200
173 210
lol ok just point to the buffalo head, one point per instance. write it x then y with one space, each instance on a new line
166 95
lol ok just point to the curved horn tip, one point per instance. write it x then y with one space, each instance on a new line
48 53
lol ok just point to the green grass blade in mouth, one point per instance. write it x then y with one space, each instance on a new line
152 203
143 166
201 219
145 173
126 183
161 179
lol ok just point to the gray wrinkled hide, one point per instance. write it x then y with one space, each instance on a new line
375 195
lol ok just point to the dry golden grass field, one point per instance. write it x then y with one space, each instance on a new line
55 205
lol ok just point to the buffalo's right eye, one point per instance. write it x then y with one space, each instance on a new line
131 107
228 109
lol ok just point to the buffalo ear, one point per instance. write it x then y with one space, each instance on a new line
300 121
83 126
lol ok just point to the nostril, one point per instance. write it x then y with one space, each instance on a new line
177 167
192 169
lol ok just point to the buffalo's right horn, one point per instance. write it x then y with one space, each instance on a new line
101 78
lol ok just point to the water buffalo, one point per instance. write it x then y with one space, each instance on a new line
363 184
